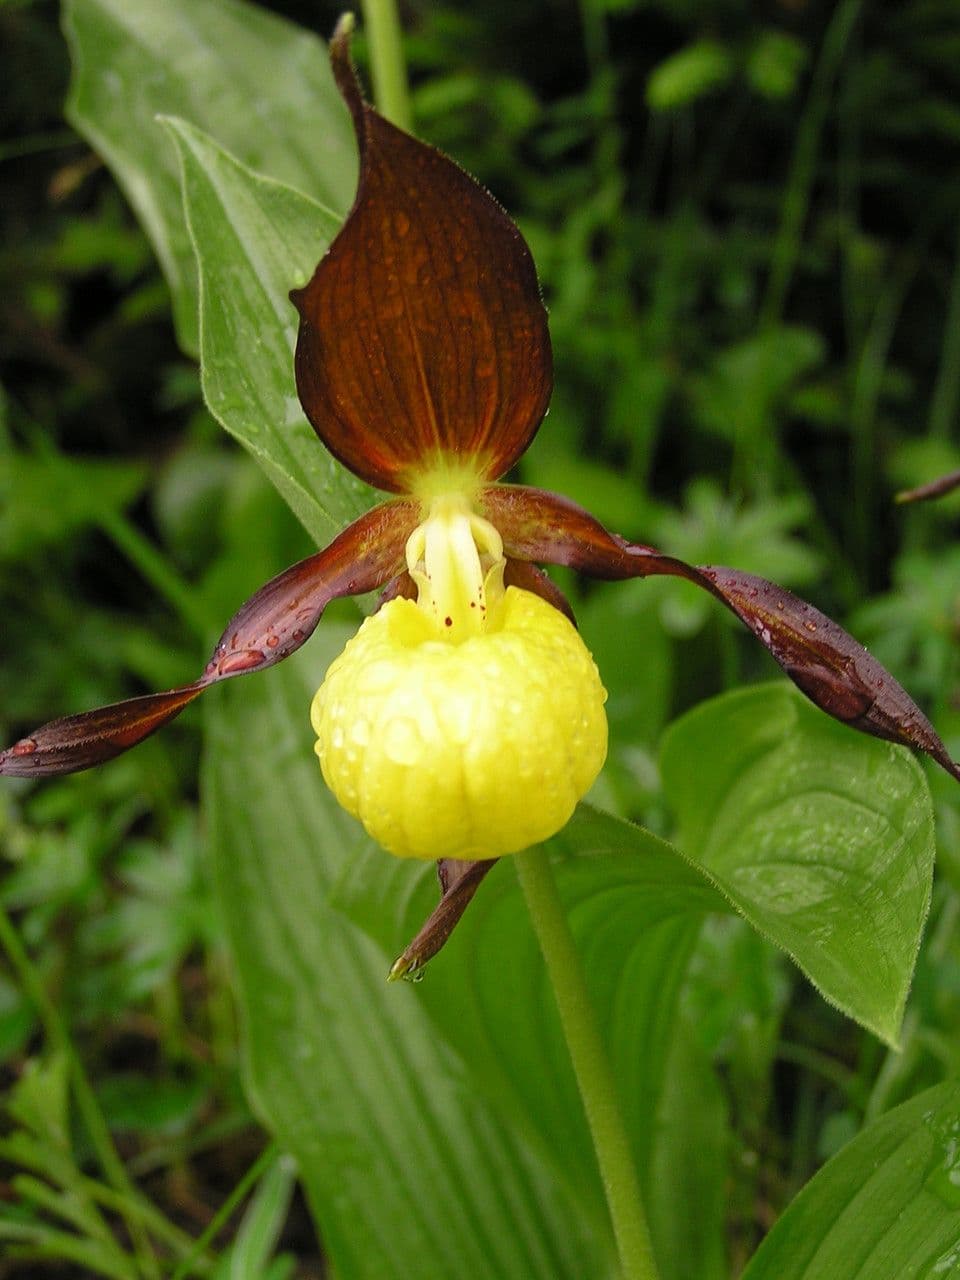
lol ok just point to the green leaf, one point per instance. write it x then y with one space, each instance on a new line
748 383
774 63
39 1101
17 1019
689 74
255 239
259 85
408 1167
886 1208
95 1257
154 1104
637 710
248 1258
46 499
822 839
688 1165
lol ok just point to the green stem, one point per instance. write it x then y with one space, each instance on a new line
382 25
796 197
590 1064
59 1039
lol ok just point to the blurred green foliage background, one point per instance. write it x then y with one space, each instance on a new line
745 218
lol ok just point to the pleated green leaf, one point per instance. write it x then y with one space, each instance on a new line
261 86
254 239
822 839
887 1207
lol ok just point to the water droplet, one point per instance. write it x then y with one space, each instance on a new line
944 1178
947 1264
402 742
360 732
336 738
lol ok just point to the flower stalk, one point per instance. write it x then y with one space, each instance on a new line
591 1065
387 64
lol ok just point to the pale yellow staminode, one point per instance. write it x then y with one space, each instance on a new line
467 723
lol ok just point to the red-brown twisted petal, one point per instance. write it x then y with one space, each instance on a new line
459 881
271 625
826 663
932 489
422 334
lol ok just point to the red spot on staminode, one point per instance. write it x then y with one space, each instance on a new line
448 622
25 747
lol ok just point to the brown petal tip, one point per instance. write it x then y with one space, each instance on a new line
827 664
933 489
343 69
273 624
459 881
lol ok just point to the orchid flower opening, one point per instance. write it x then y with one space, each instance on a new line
465 720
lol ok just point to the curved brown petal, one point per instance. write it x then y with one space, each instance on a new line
526 575
459 881
932 489
423 340
825 662
271 625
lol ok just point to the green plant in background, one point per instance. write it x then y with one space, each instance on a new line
425 1124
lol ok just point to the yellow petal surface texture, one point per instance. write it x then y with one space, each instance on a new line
462 750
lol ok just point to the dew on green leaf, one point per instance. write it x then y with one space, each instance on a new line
943 1178
947 1264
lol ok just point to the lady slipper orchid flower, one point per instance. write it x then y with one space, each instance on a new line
465 720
